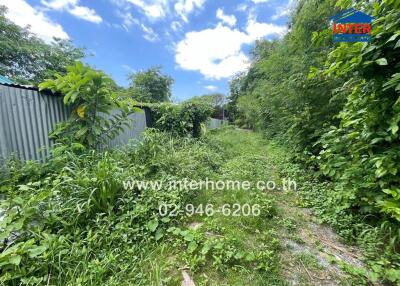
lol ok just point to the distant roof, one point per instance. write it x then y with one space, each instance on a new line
4 80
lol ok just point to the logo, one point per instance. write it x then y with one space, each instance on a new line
351 26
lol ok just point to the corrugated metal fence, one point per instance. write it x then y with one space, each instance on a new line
138 125
27 116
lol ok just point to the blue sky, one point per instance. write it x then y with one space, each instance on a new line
200 43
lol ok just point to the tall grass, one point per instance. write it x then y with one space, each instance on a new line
70 221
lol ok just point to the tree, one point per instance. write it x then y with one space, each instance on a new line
215 100
27 59
235 90
218 99
150 86
91 96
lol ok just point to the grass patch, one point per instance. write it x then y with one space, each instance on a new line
70 221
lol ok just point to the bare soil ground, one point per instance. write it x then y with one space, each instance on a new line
312 251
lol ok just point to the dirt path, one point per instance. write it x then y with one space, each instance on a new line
283 246
312 252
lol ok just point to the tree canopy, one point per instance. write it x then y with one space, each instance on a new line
29 60
150 86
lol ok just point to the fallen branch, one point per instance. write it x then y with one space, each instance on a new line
308 273
339 248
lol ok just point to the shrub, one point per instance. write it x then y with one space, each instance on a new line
73 211
362 153
91 96
181 119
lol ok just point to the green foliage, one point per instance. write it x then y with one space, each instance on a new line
181 119
337 107
73 212
362 154
379 241
386 261
213 99
225 252
250 111
27 59
277 96
90 95
150 86
235 90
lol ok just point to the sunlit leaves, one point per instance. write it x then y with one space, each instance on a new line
369 131
382 62
27 59
92 97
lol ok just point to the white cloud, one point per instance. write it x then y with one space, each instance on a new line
58 4
284 11
72 7
128 68
176 26
86 13
153 9
149 34
211 87
257 30
230 20
260 1
127 20
23 14
158 9
216 53
241 7
185 7
281 13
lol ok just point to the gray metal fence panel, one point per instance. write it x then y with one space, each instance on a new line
28 116
137 126
3 146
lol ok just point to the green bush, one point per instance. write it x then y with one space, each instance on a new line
73 211
91 96
181 119
337 107
362 154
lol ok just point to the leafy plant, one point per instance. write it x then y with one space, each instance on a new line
27 59
183 119
150 86
73 211
362 153
91 97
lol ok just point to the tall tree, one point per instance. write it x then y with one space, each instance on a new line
29 60
150 86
